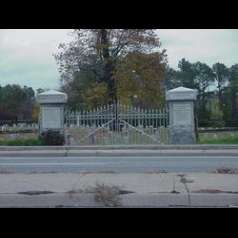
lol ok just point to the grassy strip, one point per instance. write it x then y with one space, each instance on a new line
219 138
222 140
21 142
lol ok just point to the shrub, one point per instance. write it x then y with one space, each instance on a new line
52 138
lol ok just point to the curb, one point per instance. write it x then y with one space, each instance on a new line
114 153
127 201
119 147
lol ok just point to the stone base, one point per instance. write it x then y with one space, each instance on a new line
182 135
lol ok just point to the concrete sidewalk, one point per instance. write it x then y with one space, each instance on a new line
137 183
144 190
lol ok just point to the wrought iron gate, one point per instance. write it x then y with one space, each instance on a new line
117 125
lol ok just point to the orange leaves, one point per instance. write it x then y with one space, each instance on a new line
141 75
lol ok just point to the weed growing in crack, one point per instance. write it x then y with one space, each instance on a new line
109 196
185 182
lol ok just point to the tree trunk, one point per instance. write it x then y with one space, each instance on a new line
111 84
108 77
220 99
109 67
233 105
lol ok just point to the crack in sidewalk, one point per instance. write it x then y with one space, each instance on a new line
185 182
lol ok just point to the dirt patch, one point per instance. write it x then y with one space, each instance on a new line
6 171
34 193
91 190
208 191
125 192
226 171
213 191
157 172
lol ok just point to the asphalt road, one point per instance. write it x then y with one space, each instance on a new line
122 164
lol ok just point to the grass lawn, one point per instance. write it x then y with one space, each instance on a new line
21 142
19 139
218 138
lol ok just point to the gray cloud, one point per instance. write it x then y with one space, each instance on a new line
208 46
26 56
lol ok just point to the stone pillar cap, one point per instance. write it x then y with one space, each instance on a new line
52 96
181 94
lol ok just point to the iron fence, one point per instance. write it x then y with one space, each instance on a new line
117 124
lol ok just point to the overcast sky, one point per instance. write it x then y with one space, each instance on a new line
26 56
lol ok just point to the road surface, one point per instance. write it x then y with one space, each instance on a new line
119 164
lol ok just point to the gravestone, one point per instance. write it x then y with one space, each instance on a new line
51 111
181 115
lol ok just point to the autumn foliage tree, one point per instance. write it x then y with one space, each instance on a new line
98 61
139 79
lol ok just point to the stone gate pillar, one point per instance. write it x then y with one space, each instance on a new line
181 115
51 111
